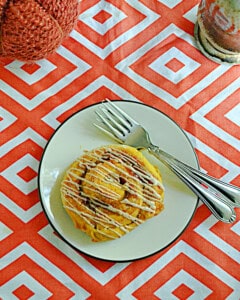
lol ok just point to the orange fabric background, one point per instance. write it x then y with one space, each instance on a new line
118 63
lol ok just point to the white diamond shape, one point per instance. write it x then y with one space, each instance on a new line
52 116
236 228
117 16
204 230
4 231
27 134
234 115
191 15
159 65
101 277
11 174
7 119
182 277
181 247
81 68
150 17
24 278
40 260
200 118
24 215
125 64
170 3
45 68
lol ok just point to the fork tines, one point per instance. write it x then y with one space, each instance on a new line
115 120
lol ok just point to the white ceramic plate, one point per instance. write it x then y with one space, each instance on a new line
77 134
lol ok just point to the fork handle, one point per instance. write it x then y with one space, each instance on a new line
229 192
208 192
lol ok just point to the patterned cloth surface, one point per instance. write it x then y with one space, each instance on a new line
139 50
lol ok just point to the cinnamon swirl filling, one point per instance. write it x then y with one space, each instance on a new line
109 191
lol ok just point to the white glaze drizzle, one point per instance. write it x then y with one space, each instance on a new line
122 165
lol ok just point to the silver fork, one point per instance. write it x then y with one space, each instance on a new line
220 197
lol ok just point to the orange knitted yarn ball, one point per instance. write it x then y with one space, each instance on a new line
32 29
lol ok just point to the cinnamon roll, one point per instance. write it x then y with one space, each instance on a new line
110 190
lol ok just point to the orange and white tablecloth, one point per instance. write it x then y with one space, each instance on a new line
139 50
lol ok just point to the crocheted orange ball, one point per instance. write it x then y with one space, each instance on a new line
32 29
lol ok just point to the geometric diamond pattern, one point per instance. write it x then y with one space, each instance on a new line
61 70
41 70
103 274
236 228
136 67
30 68
6 119
12 174
90 17
174 64
233 115
174 75
170 3
187 262
17 287
191 14
102 16
183 291
143 51
23 292
27 174
117 35
184 283
4 231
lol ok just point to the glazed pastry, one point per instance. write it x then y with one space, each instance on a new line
109 191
